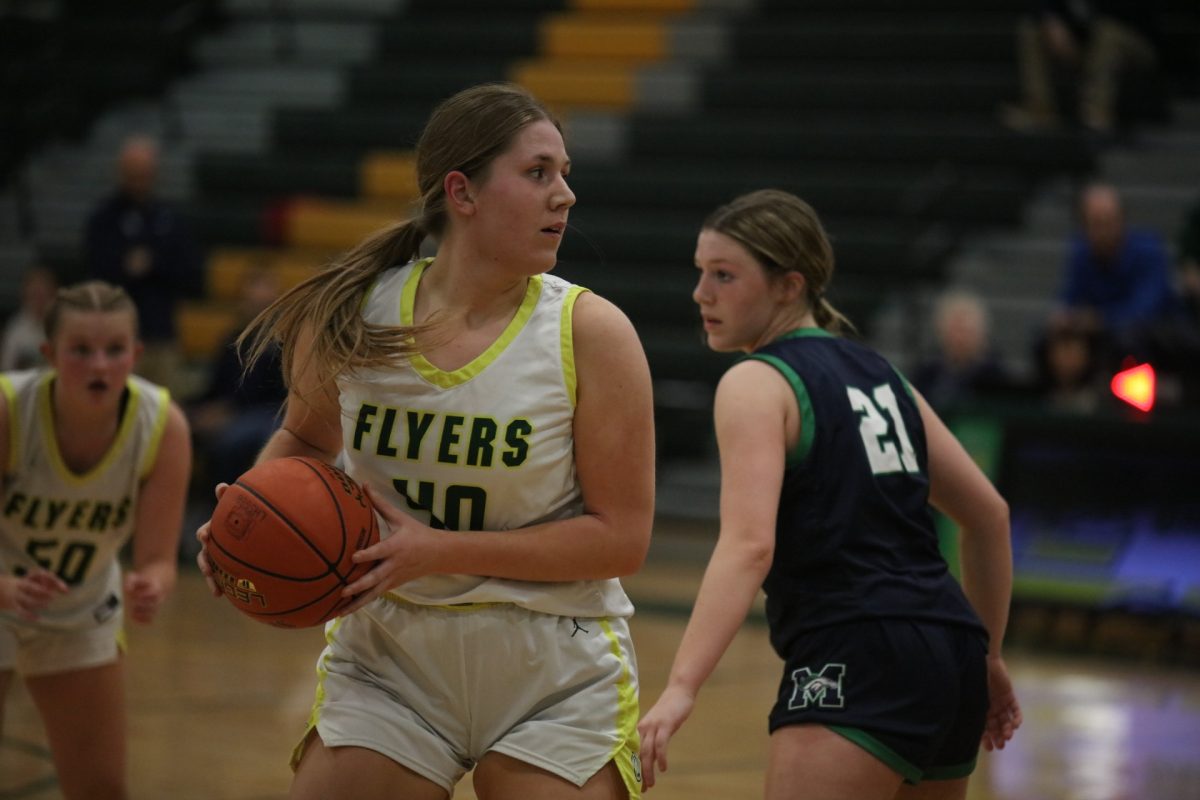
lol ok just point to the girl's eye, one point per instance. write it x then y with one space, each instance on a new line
538 172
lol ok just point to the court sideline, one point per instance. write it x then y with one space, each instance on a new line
216 702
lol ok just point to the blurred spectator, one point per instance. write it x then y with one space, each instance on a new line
138 242
966 366
1189 237
24 332
1117 278
1097 42
1070 368
236 414
1171 342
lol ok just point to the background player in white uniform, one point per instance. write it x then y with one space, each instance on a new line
502 421
92 455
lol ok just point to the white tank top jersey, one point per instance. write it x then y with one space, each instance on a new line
73 524
486 447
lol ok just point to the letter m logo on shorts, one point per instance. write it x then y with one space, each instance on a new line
823 689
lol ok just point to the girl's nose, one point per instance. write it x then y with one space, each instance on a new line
563 197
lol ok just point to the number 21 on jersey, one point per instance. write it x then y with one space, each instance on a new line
882 429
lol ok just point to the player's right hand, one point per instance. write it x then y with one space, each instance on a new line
202 534
658 725
30 593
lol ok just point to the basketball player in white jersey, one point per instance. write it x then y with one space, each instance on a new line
92 456
502 420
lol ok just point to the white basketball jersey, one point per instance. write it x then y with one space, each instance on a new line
486 447
73 524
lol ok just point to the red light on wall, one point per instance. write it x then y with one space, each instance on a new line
1135 386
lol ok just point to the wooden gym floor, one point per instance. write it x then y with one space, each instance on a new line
216 702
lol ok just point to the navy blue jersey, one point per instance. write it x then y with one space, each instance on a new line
854 537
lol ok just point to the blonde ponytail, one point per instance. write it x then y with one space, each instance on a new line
784 234
465 133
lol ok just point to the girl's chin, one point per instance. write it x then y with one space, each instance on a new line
719 345
103 396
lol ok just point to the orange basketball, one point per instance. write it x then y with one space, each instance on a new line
282 538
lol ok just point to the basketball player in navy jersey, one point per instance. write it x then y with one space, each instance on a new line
893 674
502 420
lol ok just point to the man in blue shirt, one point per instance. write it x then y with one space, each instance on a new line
1116 277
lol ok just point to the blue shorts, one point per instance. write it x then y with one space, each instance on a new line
913 694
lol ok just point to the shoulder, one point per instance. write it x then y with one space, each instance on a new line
1146 241
752 383
175 426
604 344
17 383
753 398
382 294
595 317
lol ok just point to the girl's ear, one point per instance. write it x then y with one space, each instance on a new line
46 350
459 194
792 287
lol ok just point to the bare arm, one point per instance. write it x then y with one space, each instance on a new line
311 427
159 520
753 405
614 460
312 424
959 489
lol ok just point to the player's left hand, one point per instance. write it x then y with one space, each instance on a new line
405 553
144 594
1004 712
658 725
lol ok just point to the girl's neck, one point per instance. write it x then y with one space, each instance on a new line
458 288
84 434
85 422
785 323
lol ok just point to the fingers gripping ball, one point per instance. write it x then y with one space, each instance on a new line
282 537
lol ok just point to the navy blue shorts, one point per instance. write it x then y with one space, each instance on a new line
913 694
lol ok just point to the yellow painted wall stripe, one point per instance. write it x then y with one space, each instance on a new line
203 327
389 175
574 36
569 83
333 224
228 266
664 6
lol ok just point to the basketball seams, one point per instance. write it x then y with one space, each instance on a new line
336 505
267 504
294 502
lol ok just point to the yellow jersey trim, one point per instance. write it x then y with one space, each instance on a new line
625 753
50 438
567 334
160 425
446 380
319 700
14 425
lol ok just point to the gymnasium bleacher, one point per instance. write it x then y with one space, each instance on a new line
883 116
288 127
884 121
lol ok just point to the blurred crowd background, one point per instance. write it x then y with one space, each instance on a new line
1012 188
